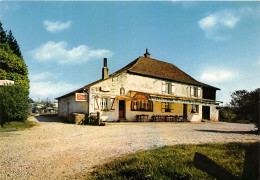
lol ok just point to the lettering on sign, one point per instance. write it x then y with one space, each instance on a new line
81 97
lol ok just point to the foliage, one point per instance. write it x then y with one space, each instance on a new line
3 37
14 103
19 125
227 114
11 41
246 105
13 67
173 162
46 102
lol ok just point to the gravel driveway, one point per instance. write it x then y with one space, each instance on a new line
53 150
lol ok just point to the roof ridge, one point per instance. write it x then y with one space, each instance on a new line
136 63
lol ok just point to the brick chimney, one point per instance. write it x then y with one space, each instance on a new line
105 71
147 54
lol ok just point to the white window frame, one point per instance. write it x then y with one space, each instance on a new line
104 104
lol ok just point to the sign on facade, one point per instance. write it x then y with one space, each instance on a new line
104 88
81 97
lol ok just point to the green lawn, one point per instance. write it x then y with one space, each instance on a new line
173 162
18 125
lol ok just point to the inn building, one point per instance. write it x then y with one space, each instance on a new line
144 90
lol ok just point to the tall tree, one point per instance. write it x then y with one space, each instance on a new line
11 41
13 99
3 37
246 105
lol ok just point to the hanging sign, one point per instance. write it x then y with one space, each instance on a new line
81 97
104 88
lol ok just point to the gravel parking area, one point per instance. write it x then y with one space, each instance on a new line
54 150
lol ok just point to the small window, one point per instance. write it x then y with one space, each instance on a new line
167 88
167 107
194 108
194 91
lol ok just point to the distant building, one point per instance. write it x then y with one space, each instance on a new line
146 88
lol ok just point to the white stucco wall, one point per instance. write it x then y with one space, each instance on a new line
214 113
132 82
194 117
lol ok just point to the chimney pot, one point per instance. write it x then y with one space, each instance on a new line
147 54
105 70
105 62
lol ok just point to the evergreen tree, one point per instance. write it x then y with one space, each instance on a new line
11 41
3 37
13 99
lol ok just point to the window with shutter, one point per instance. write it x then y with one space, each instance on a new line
112 101
199 92
191 91
96 104
163 107
163 87
173 89
167 107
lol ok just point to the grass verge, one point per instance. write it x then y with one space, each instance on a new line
172 162
18 125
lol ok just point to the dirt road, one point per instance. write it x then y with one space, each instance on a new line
54 150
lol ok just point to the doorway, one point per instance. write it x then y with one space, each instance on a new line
121 109
206 112
185 112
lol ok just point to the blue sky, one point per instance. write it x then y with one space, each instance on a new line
64 43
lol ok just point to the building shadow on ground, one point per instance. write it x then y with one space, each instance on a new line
228 132
45 118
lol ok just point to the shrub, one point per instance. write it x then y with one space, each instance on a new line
14 103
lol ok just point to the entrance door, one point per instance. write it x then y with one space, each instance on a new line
121 109
206 112
185 110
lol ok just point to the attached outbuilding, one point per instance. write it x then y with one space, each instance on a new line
144 90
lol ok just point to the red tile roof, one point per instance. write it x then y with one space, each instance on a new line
159 69
145 66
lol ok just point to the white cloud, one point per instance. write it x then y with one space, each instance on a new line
50 89
217 76
41 76
59 52
216 22
55 26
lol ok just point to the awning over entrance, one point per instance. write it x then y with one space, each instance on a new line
122 97
175 99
